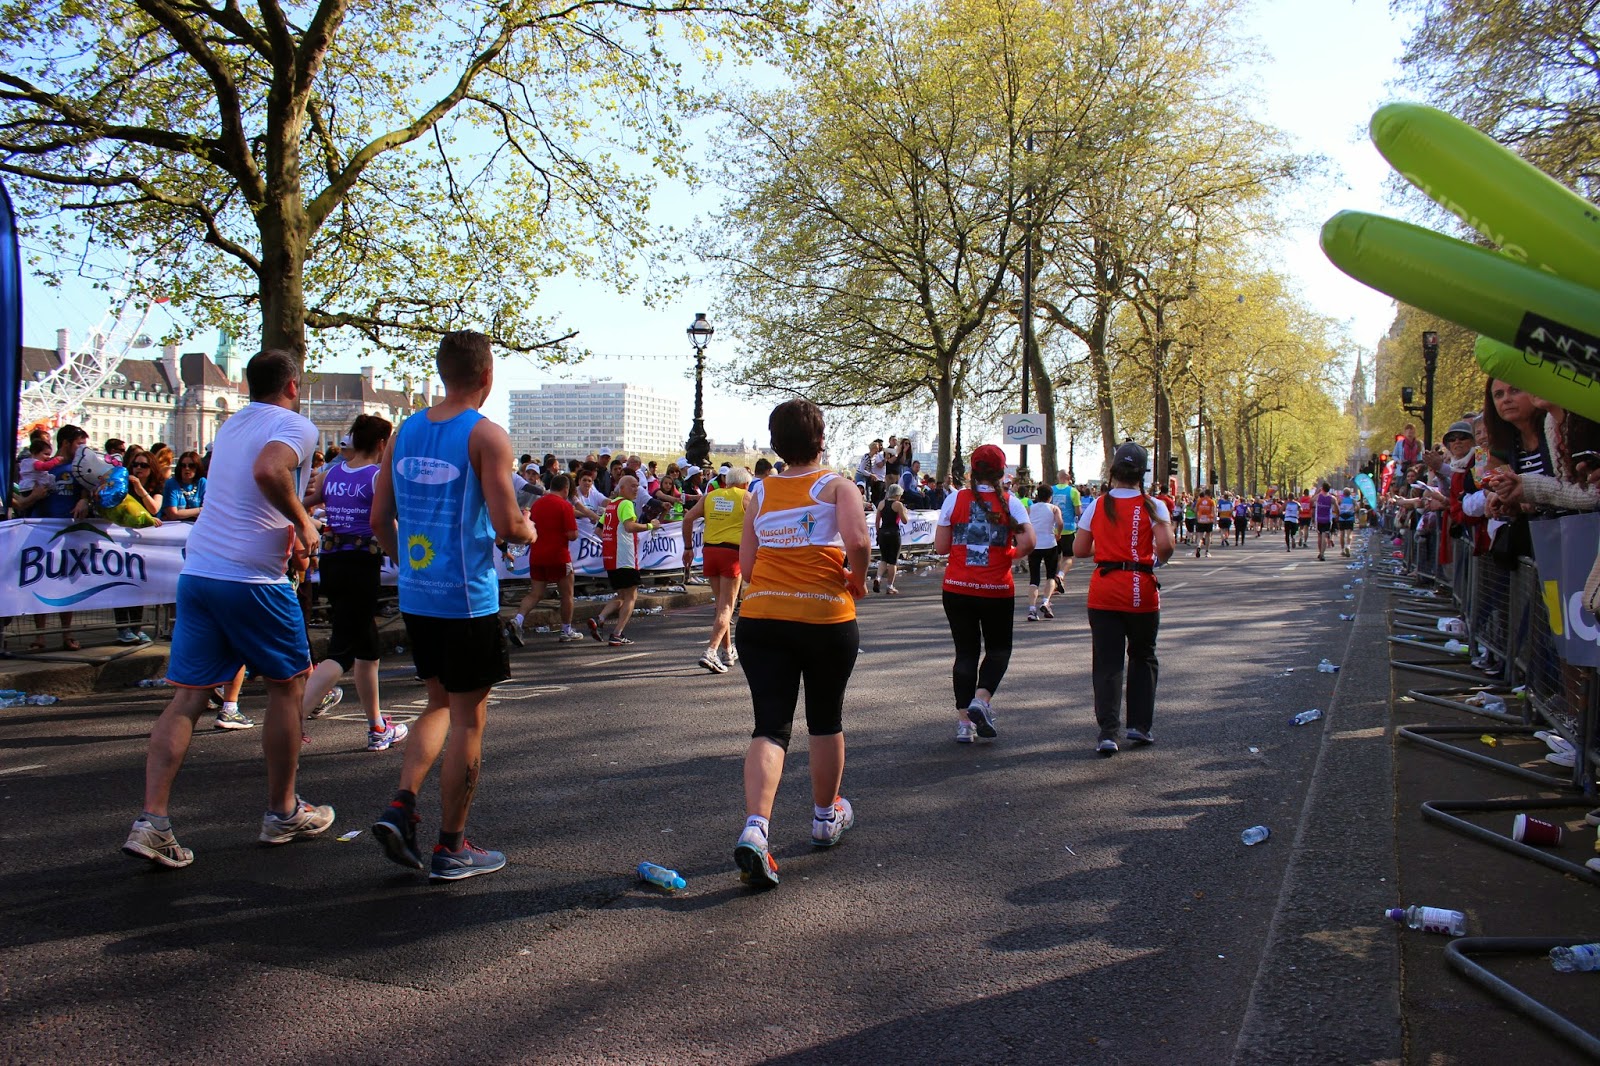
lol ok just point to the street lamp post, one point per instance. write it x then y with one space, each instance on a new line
1430 363
1072 450
1027 308
1200 442
697 449
957 466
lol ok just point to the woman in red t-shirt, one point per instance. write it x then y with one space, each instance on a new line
1127 534
981 529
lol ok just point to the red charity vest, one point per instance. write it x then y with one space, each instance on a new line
981 549
1127 538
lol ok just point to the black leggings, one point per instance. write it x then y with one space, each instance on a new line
1047 559
351 580
776 655
1124 643
979 623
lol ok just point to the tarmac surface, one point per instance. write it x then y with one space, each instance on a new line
1015 901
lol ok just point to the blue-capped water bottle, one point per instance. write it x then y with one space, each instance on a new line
1578 958
661 877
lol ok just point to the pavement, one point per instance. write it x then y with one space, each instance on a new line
1015 901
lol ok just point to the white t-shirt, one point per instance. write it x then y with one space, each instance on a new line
1158 510
239 536
1019 511
596 502
1043 516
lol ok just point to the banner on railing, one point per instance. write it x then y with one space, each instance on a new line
54 564
1564 549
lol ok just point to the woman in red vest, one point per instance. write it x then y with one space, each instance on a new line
1128 534
982 529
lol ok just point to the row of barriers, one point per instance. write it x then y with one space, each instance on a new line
1497 617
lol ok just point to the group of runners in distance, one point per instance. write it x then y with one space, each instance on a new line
439 497
1228 517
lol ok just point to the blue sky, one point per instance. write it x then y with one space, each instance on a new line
1326 67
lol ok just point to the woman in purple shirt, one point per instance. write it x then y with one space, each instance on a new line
350 564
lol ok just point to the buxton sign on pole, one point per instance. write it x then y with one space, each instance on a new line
1024 429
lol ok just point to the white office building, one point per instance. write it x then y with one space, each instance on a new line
574 419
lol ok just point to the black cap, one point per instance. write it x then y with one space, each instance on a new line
1131 454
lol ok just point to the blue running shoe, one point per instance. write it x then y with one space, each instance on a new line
396 832
470 861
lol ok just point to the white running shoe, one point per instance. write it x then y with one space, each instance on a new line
733 655
329 701
710 661
966 732
145 841
305 821
825 833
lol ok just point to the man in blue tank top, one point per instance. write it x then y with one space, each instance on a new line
1065 495
442 497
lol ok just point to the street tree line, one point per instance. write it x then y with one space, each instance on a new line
885 197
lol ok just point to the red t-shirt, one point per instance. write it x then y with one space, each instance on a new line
552 518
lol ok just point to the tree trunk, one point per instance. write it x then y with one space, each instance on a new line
944 399
1100 369
1184 463
1044 395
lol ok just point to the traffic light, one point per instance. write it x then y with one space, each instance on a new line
1172 466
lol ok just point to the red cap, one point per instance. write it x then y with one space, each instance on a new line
989 459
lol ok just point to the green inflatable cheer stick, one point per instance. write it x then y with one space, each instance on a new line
1532 217
1555 380
1471 286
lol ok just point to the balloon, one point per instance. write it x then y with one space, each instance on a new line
113 488
129 512
1471 286
1559 382
1531 217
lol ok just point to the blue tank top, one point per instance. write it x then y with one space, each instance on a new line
347 495
446 540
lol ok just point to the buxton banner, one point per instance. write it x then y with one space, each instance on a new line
55 564
1564 550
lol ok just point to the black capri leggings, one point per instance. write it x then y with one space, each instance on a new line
1047 559
777 655
979 623
889 548
351 580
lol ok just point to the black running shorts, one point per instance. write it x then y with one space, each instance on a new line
465 654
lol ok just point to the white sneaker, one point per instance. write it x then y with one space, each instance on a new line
569 635
710 661
733 655
125 636
305 821
330 699
966 732
826 833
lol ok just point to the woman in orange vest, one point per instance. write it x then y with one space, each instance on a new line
798 623
982 529
1127 534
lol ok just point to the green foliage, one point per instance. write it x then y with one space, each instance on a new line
398 169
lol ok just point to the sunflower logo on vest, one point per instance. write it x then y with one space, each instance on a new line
419 551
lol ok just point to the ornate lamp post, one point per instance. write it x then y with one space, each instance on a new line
1430 363
1072 448
698 448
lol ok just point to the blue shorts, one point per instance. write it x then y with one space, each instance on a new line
223 625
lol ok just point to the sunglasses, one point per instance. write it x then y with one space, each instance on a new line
144 466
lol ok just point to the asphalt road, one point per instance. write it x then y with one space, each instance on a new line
1015 901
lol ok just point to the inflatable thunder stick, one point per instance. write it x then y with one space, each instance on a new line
1557 381
1471 286
1532 217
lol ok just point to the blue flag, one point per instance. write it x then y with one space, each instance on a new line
10 330
1368 490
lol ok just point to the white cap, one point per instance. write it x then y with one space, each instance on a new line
691 470
724 468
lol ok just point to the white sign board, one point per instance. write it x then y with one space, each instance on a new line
1025 429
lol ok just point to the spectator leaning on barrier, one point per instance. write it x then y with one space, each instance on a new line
184 494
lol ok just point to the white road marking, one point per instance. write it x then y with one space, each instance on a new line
19 769
1218 570
1173 588
1291 566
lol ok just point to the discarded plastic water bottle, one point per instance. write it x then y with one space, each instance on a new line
1254 835
1347 618
43 700
1579 958
541 629
1430 919
1347 588
1455 647
1453 626
1327 666
1306 717
1494 704
661 877
12 694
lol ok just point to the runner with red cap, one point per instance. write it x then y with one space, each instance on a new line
982 529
